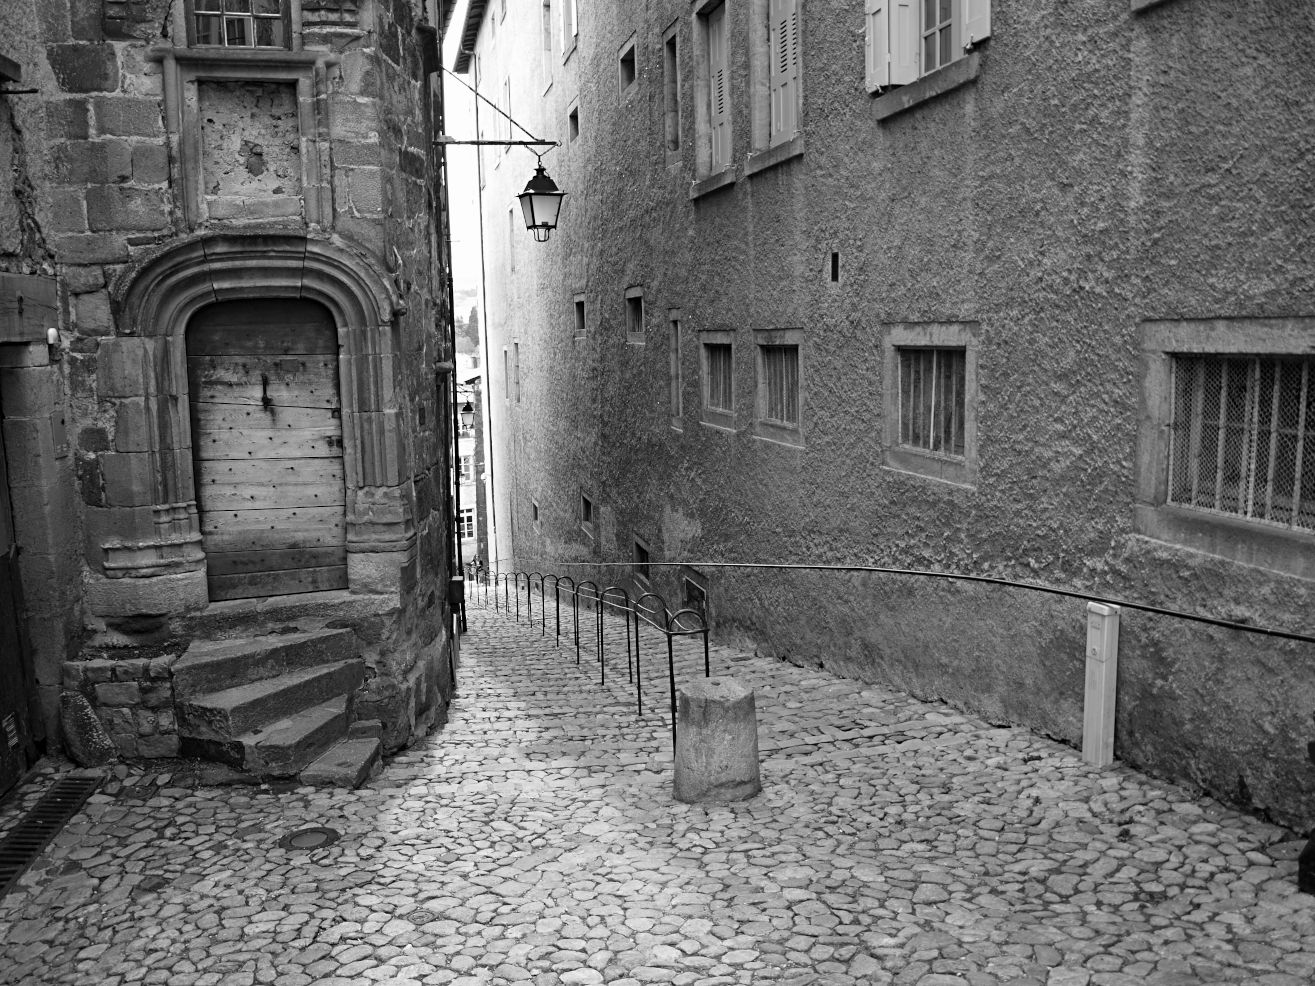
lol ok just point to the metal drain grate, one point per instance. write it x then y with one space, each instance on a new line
39 825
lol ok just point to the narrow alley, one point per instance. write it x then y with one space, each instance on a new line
534 839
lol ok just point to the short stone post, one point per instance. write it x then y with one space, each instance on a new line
1102 677
716 742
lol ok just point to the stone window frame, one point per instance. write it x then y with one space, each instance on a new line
627 63
635 315
182 69
722 419
1237 539
588 514
913 461
579 316
766 428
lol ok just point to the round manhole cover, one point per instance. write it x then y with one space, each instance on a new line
310 838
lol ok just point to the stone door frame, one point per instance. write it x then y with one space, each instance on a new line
144 546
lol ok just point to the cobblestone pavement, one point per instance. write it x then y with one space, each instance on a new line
535 840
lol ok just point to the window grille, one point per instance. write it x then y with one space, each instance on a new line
931 388
781 373
240 23
1242 439
720 376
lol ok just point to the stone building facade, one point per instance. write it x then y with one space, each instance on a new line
242 422
833 285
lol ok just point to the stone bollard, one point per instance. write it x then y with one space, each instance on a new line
716 742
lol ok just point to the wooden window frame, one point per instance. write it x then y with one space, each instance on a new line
722 418
955 470
285 16
764 425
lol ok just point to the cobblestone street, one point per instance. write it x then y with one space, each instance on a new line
534 839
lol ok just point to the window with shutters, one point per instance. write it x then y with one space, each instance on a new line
930 400
1226 447
714 111
570 27
909 39
777 405
718 372
240 23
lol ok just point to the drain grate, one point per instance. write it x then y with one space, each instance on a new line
39 825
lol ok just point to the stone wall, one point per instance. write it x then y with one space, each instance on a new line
1093 169
159 177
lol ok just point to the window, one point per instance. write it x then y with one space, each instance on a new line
671 91
635 315
784 91
534 511
511 238
676 382
627 69
506 374
570 26
573 122
466 525
586 514
545 28
714 117
907 39
777 413
581 329
930 400
1226 448
641 557
694 592
718 379
467 468
516 369
241 23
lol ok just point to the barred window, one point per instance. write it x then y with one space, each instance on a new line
719 377
1242 439
932 398
240 23
780 375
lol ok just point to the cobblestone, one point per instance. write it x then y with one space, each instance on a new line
535 840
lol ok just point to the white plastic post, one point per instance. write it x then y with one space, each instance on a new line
1102 675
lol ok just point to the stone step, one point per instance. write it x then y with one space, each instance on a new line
282 748
228 714
345 764
212 665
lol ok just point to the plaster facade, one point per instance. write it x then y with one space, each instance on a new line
154 177
1087 181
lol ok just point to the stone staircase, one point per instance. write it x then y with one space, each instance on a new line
277 706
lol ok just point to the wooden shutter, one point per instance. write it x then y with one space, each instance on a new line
876 14
719 85
976 21
783 74
892 43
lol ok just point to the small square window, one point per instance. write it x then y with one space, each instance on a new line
641 558
635 315
628 69
581 329
573 122
930 401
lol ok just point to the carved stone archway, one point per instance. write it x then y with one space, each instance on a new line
144 545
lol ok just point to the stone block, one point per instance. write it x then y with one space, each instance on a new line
32 461
84 17
160 595
53 16
716 742
68 119
160 668
117 721
92 315
92 162
85 738
157 694
150 164
125 743
366 191
375 571
147 722
79 280
84 67
166 721
25 354
127 116
234 207
130 669
96 672
355 118
90 248
28 391
68 214
135 479
161 745
111 207
94 439
114 694
124 366
349 154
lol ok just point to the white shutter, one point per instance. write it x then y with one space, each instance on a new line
904 40
719 85
976 21
876 15
783 72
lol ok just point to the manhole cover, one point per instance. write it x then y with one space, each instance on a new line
311 838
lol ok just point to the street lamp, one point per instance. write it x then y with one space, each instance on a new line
467 416
541 201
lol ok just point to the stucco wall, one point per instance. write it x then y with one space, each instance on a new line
1104 168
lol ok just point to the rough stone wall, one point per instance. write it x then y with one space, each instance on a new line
1104 168
103 196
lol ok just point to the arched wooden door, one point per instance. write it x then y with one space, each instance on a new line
262 380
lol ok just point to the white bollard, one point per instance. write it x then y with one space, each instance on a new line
1102 677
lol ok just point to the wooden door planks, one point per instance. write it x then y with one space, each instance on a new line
277 583
296 527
